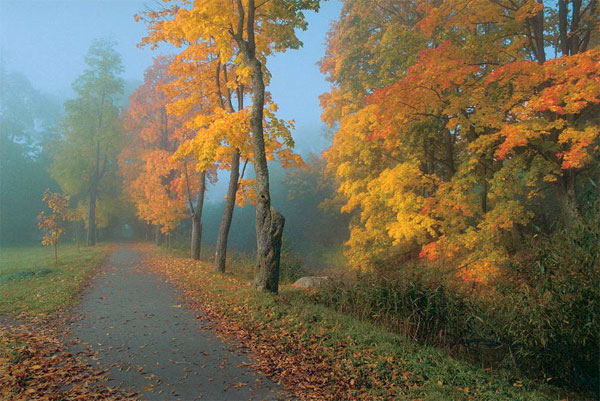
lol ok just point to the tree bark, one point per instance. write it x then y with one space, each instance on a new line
234 175
267 268
196 242
269 223
77 231
157 236
570 215
91 233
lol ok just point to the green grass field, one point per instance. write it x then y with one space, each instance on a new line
31 283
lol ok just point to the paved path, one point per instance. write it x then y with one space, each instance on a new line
133 323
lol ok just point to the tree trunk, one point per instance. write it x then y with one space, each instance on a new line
157 236
77 230
269 223
234 176
267 268
56 253
197 220
568 200
91 234
450 153
196 237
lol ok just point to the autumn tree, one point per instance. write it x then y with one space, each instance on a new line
54 223
158 186
85 154
233 27
222 137
276 22
207 89
370 47
452 153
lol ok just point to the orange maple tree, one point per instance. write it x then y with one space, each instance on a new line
54 222
456 151
159 187
221 64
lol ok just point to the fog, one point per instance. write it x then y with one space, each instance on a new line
46 42
43 45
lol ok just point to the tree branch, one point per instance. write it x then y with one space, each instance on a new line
187 186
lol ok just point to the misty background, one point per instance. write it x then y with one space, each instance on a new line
42 48
46 41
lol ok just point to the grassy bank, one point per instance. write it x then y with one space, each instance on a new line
543 325
34 361
31 283
322 354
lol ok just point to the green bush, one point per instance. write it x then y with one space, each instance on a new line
406 302
551 316
540 317
291 266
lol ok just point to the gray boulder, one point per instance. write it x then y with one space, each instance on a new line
311 281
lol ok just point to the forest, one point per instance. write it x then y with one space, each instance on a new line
165 239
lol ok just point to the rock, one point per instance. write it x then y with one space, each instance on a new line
311 281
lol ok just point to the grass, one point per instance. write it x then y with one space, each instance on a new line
34 360
339 356
31 283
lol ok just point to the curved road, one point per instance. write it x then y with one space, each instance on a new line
133 324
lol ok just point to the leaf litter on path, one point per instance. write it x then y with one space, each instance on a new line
36 365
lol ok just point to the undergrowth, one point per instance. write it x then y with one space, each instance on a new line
541 319
324 354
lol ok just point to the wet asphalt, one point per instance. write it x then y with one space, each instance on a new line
135 325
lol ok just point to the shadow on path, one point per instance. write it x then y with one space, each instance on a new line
132 323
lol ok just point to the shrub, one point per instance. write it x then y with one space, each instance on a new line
291 266
406 302
541 316
551 316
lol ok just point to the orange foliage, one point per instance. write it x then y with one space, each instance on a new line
448 154
210 83
53 223
155 183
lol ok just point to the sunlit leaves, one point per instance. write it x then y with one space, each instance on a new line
487 126
54 223
211 78
154 183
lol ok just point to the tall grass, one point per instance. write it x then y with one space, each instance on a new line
541 318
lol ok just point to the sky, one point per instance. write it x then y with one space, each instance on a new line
46 41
